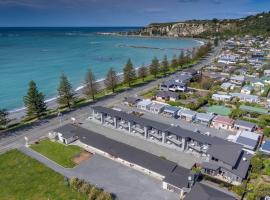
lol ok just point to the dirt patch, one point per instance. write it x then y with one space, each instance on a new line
79 158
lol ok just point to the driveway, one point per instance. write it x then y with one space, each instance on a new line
113 177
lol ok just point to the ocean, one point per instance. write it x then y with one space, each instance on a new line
42 54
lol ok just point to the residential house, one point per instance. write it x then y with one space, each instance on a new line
248 139
223 122
246 97
204 118
258 85
237 80
173 86
167 96
266 72
227 86
144 104
241 125
131 101
188 115
157 108
222 97
265 148
170 111
247 89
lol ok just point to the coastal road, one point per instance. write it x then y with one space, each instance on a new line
14 139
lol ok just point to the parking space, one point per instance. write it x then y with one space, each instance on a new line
123 181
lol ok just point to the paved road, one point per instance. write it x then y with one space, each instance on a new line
123 181
14 139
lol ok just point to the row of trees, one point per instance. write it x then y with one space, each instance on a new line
36 106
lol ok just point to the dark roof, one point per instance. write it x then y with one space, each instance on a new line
247 142
243 123
132 100
204 192
132 155
227 153
67 131
167 94
266 145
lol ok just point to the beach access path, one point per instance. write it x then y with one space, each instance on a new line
14 139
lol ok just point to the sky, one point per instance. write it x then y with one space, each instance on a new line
14 13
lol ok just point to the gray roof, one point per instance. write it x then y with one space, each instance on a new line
132 100
204 192
67 131
132 155
204 117
189 113
171 109
228 153
247 142
242 123
166 94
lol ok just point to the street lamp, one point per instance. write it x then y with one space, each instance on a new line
59 115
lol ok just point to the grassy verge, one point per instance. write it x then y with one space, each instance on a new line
59 153
25 178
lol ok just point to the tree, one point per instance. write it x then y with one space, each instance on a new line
129 72
142 72
91 86
181 59
237 113
165 65
266 131
111 79
34 101
262 190
154 67
264 120
174 63
66 95
3 117
257 164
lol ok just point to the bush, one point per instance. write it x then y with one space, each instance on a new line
85 188
266 131
257 164
74 183
239 189
251 196
94 193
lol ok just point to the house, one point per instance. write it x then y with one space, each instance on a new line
265 80
221 97
266 72
170 111
246 97
167 96
223 122
144 104
180 78
157 108
131 101
227 162
241 125
265 148
173 86
190 72
258 85
201 191
187 115
66 134
237 80
227 86
248 139
204 118
247 89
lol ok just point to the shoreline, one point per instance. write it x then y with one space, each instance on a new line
51 101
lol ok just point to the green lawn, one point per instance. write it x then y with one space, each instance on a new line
57 152
23 178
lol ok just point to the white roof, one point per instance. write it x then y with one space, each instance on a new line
250 135
145 102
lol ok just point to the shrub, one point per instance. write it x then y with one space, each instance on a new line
74 183
94 193
257 164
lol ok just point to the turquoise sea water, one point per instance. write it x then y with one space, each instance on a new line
41 54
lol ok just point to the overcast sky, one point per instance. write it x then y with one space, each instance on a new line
121 12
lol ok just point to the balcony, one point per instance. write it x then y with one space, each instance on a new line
174 140
155 134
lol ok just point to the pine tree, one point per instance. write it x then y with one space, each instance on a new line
181 59
111 80
66 95
165 65
129 73
154 67
34 101
3 117
91 86
142 72
174 63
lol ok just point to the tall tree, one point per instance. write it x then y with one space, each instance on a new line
174 63
165 65
3 117
34 101
142 72
181 59
129 73
66 95
111 79
91 86
154 67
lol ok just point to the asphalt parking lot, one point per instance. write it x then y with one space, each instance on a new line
126 183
